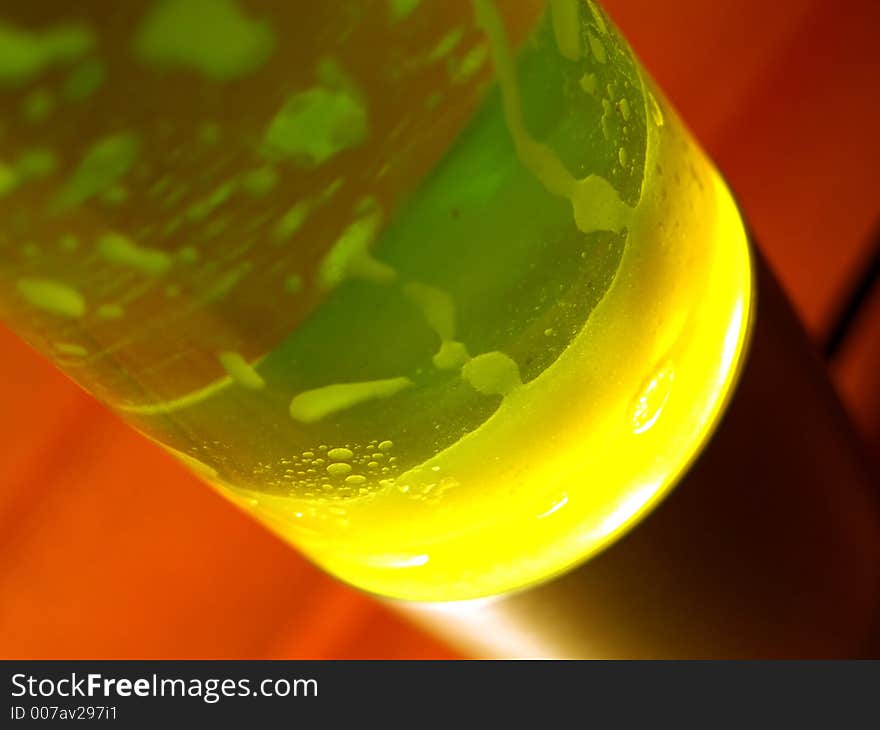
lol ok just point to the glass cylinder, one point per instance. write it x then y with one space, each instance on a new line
442 292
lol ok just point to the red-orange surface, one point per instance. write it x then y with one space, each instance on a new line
110 549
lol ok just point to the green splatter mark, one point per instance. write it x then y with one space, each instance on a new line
188 254
436 306
212 37
84 80
25 54
68 242
293 284
471 63
117 249
203 208
433 100
598 48
110 311
350 256
171 225
567 27
446 45
313 405
71 348
597 205
173 195
115 195
261 181
8 179
331 75
316 125
216 227
589 83
608 122
291 221
159 187
451 355
185 401
36 163
30 250
37 105
103 164
331 190
225 284
400 9
209 133
492 373
52 296
241 371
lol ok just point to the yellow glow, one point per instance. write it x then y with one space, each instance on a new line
574 456
624 410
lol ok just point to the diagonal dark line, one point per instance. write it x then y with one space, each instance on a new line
858 295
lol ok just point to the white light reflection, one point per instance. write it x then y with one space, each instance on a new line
398 561
555 507
731 341
470 624
625 511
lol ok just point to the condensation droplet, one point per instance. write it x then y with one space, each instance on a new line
340 454
339 468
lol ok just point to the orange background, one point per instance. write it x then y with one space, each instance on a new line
109 549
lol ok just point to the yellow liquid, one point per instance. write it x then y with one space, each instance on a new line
577 455
446 391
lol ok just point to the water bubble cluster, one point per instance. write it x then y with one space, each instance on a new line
332 472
